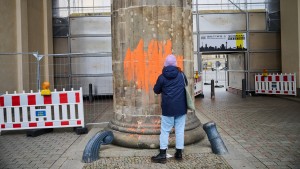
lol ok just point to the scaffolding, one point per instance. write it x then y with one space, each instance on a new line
83 27
64 11
211 9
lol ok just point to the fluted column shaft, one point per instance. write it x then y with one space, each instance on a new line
144 33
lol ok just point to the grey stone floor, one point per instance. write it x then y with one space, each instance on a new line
264 129
259 132
198 160
18 151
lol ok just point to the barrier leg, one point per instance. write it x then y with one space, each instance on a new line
38 132
80 130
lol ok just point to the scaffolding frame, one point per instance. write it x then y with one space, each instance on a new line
237 4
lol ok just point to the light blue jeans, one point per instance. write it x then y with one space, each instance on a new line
167 123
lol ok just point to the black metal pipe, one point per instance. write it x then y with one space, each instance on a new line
90 92
212 89
243 88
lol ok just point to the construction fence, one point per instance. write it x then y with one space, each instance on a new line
25 73
89 72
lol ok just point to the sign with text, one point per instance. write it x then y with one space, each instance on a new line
40 113
223 42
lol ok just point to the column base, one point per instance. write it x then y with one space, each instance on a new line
131 140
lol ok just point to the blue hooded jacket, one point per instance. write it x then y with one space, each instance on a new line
170 85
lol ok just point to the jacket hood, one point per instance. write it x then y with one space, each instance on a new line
170 72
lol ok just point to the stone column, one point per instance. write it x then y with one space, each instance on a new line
290 39
144 33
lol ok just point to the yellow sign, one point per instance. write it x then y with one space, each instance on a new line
240 40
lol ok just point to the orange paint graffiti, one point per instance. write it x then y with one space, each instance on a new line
144 66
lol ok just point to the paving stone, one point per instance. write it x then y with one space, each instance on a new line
259 165
58 163
31 152
262 125
252 159
199 160
263 129
49 162
269 163
277 167
294 166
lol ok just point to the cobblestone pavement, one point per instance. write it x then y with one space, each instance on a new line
18 151
266 128
48 150
199 160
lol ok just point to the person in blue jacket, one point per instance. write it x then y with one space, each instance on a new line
170 84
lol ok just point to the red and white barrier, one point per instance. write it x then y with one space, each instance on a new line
284 84
32 110
197 86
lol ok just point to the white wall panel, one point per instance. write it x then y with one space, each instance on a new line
90 25
101 85
91 65
264 41
265 61
222 22
236 61
235 79
90 44
257 21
